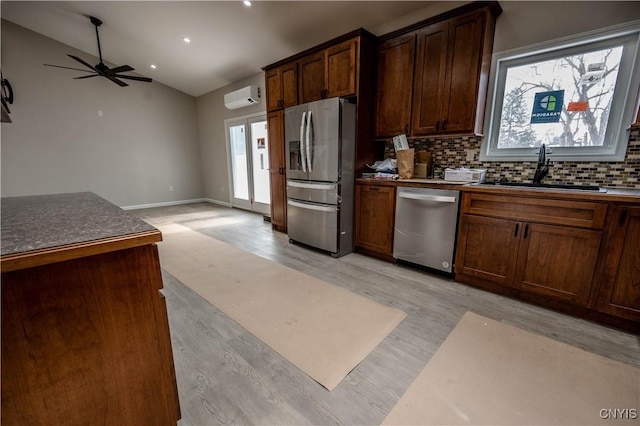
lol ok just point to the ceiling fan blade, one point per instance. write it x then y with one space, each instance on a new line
83 63
131 77
123 68
69 68
86 76
116 81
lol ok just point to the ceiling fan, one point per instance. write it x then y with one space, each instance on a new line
101 70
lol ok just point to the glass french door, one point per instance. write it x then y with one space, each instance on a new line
249 158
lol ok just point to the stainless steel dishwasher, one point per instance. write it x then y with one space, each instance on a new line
425 229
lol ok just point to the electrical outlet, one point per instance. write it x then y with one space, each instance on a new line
470 154
171 189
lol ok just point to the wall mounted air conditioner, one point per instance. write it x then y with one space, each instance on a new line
246 96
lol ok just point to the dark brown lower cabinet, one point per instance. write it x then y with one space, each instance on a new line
375 212
551 260
580 256
277 172
619 291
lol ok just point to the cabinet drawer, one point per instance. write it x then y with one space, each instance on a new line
582 214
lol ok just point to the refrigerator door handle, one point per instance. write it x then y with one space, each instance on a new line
311 185
312 206
309 142
302 125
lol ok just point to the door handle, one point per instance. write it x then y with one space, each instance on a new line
302 133
623 216
309 140
315 207
305 185
437 198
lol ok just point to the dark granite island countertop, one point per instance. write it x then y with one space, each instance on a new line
42 229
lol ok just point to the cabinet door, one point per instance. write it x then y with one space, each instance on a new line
558 261
273 83
488 248
340 71
463 74
289 85
311 77
374 214
282 87
275 125
429 79
394 86
619 292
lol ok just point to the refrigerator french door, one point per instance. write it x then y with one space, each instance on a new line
320 151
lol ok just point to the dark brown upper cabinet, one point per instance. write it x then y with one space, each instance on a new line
394 86
282 86
432 77
329 73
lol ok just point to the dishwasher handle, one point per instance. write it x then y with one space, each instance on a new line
427 197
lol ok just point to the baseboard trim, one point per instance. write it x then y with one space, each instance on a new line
176 203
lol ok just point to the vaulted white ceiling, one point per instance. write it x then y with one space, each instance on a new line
229 41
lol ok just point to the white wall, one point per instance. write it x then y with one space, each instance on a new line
211 132
145 141
524 23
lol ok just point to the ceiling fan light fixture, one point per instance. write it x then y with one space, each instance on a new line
186 40
153 66
247 3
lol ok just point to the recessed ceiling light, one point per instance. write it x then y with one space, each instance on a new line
153 66
186 39
247 3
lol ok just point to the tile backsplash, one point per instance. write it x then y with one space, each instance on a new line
452 152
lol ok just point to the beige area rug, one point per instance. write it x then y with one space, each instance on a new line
324 330
490 373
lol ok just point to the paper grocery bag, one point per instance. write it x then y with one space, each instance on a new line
405 163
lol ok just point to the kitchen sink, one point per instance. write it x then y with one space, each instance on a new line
532 185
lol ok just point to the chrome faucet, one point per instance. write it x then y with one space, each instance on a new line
542 169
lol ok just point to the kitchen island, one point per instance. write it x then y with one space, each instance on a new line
85 336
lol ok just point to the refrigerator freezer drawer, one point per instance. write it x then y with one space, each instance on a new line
313 224
315 192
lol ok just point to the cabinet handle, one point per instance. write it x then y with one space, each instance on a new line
517 229
444 124
623 216
526 230
374 188
438 126
406 129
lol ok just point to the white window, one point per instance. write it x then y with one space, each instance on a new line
578 96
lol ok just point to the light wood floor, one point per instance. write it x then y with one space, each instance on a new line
227 376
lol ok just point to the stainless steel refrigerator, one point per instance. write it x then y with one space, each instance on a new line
320 153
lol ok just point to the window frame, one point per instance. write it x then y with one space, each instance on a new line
623 111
